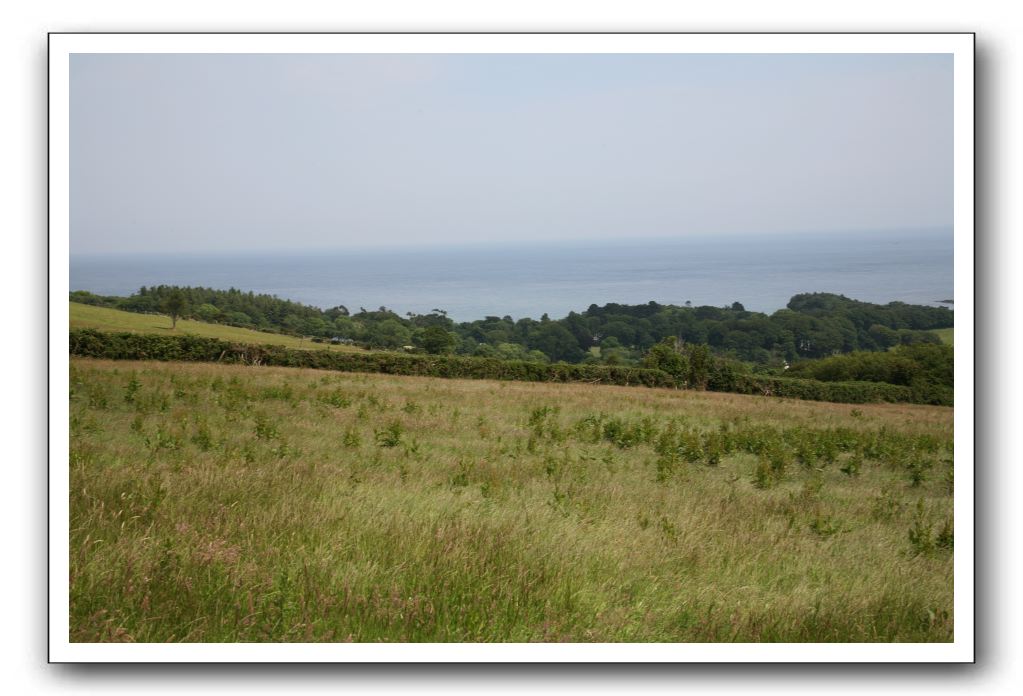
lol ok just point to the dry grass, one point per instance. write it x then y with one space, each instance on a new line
230 503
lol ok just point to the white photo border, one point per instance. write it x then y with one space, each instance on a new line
62 45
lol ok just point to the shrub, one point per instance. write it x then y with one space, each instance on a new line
389 436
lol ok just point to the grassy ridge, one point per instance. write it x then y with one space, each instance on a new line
230 503
947 336
105 319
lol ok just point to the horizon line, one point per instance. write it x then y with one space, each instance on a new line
517 243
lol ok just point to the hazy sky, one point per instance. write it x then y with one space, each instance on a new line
197 153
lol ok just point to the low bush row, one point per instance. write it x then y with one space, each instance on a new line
814 390
130 346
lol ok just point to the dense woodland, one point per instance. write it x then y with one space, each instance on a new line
812 326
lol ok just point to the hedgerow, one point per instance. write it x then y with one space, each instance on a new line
129 346
842 392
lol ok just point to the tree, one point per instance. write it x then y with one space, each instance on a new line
622 329
175 305
883 336
389 333
699 365
239 318
555 341
344 327
207 312
314 326
614 356
435 340
669 357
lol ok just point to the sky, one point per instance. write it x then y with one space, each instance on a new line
196 153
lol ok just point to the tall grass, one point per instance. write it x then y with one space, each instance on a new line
234 503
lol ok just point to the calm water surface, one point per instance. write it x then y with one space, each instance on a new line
471 282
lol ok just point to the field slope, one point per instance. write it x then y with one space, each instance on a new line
236 503
85 316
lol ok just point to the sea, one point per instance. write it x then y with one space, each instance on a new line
473 281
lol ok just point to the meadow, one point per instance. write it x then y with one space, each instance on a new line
215 502
83 316
947 336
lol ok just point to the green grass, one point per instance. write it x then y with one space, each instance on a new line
234 503
946 335
105 319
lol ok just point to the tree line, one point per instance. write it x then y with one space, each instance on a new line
813 325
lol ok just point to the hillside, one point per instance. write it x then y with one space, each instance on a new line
106 319
237 503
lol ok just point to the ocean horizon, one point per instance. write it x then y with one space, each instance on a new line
531 279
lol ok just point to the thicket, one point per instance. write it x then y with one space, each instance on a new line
693 367
721 375
927 369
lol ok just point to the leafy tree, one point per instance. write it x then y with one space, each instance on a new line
436 317
176 305
555 341
668 356
207 312
344 327
621 328
314 326
435 340
700 364
883 336
389 333
465 345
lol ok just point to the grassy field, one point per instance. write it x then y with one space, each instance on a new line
946 335
105 319
233 503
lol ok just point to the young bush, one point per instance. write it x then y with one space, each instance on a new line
389 436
